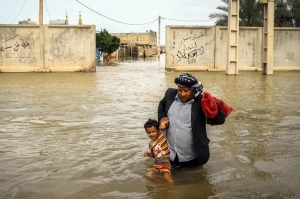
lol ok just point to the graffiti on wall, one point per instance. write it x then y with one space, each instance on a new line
18 44
189 49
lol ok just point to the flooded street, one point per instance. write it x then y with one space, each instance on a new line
81 135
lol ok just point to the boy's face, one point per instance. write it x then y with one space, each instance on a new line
152 132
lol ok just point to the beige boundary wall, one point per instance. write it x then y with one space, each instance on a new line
47 48
205 48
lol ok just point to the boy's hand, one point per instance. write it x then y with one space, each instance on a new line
146 154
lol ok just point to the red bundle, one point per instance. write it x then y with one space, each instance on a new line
211 104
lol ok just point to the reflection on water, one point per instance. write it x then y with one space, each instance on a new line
80 135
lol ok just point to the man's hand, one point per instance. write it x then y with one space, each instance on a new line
164 123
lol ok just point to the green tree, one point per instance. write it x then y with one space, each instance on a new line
283 17
251 13
287 13
221 17
106 42
294 8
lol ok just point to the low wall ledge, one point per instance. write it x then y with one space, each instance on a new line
70 26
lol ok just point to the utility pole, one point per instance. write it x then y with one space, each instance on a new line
41 13
158 38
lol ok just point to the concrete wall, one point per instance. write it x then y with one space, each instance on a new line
205 48
287 47
47 48
250 48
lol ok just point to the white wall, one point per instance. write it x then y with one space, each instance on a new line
205 48
48 48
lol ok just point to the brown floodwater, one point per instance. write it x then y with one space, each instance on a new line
80 135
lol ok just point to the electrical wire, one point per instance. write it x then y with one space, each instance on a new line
113 19
47 10
185 20
19 12
175 20
144 27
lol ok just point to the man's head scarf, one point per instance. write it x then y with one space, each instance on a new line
188 80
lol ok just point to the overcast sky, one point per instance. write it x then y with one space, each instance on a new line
116 16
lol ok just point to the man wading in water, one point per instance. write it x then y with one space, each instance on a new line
183 118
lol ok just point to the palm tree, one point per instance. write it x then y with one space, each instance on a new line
251 13
283 17
294 8
221 17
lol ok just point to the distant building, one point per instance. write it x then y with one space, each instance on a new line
58 22
137 44
28 21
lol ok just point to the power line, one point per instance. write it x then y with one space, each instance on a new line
47 10
185 20
19 12
113 19
145 26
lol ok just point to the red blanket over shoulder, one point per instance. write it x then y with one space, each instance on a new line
211 104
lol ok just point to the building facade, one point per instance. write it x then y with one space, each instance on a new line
136 44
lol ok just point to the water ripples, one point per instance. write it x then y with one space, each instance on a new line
80 135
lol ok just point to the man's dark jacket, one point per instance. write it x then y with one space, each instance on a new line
198 119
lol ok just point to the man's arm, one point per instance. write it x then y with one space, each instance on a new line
161 109
219 118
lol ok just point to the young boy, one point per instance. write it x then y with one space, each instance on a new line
158 149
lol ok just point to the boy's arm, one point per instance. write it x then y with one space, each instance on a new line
147 153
